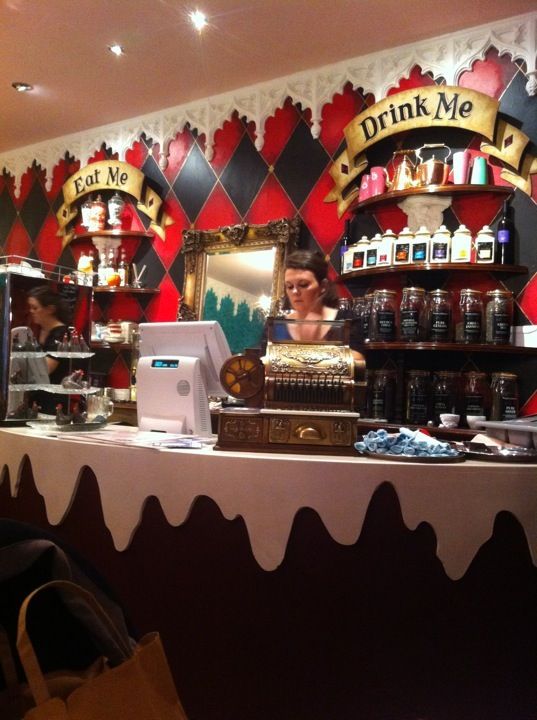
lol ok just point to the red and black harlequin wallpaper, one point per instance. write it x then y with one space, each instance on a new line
288 177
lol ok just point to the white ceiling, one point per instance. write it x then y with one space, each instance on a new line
60 47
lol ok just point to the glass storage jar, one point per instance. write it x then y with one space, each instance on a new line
381 401
504 387
475 395
445 393
470 326
439 316
383 313
498 316
367 309
411 314
417 397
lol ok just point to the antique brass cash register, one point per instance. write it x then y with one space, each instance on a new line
299 396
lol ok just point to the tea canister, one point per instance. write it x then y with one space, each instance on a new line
366 310
411 314
401 251
385 247
358 255
445 393
484 245
417 397
504 387
476 395
383 314
461 245
381 400
440 246
420 246
498 316
470 325
371 253
439 316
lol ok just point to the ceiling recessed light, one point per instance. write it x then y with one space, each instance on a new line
198 19
22 87
116 49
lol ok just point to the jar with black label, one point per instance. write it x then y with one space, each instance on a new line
504 388
470 326
439 316
445 393
382 324
381 402
367 308
498 316
411 315
476 395
417 397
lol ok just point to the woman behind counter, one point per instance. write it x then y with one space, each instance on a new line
311 296
49 312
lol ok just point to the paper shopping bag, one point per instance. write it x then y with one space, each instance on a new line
139 687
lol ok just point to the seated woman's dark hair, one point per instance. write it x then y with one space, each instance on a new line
46 297
316 263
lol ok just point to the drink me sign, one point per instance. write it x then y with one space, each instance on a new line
431 106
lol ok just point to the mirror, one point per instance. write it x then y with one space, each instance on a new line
234 274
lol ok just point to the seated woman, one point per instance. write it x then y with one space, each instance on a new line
311 296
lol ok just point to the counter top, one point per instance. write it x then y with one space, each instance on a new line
459 500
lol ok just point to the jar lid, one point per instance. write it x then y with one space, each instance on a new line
384 292
406 233
417 373
439 292
475 374
417 290
505 375
469 291
447 373
499 293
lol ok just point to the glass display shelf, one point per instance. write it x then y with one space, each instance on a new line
27 354
70 355
52 388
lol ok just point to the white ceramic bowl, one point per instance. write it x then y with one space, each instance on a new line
474 421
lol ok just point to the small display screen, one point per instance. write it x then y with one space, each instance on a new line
165 363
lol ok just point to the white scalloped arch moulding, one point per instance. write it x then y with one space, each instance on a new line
446 56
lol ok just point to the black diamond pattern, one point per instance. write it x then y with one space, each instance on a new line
8 214
177 271
301 163
35 210
516 103
194 183
244 175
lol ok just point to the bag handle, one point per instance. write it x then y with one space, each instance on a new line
7 663
26 651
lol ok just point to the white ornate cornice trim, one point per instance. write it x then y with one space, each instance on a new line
446 56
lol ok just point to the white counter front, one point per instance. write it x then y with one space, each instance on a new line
459 500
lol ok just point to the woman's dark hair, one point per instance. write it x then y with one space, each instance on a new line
316 263
46 297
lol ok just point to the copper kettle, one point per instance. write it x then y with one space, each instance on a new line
432 171
403 175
